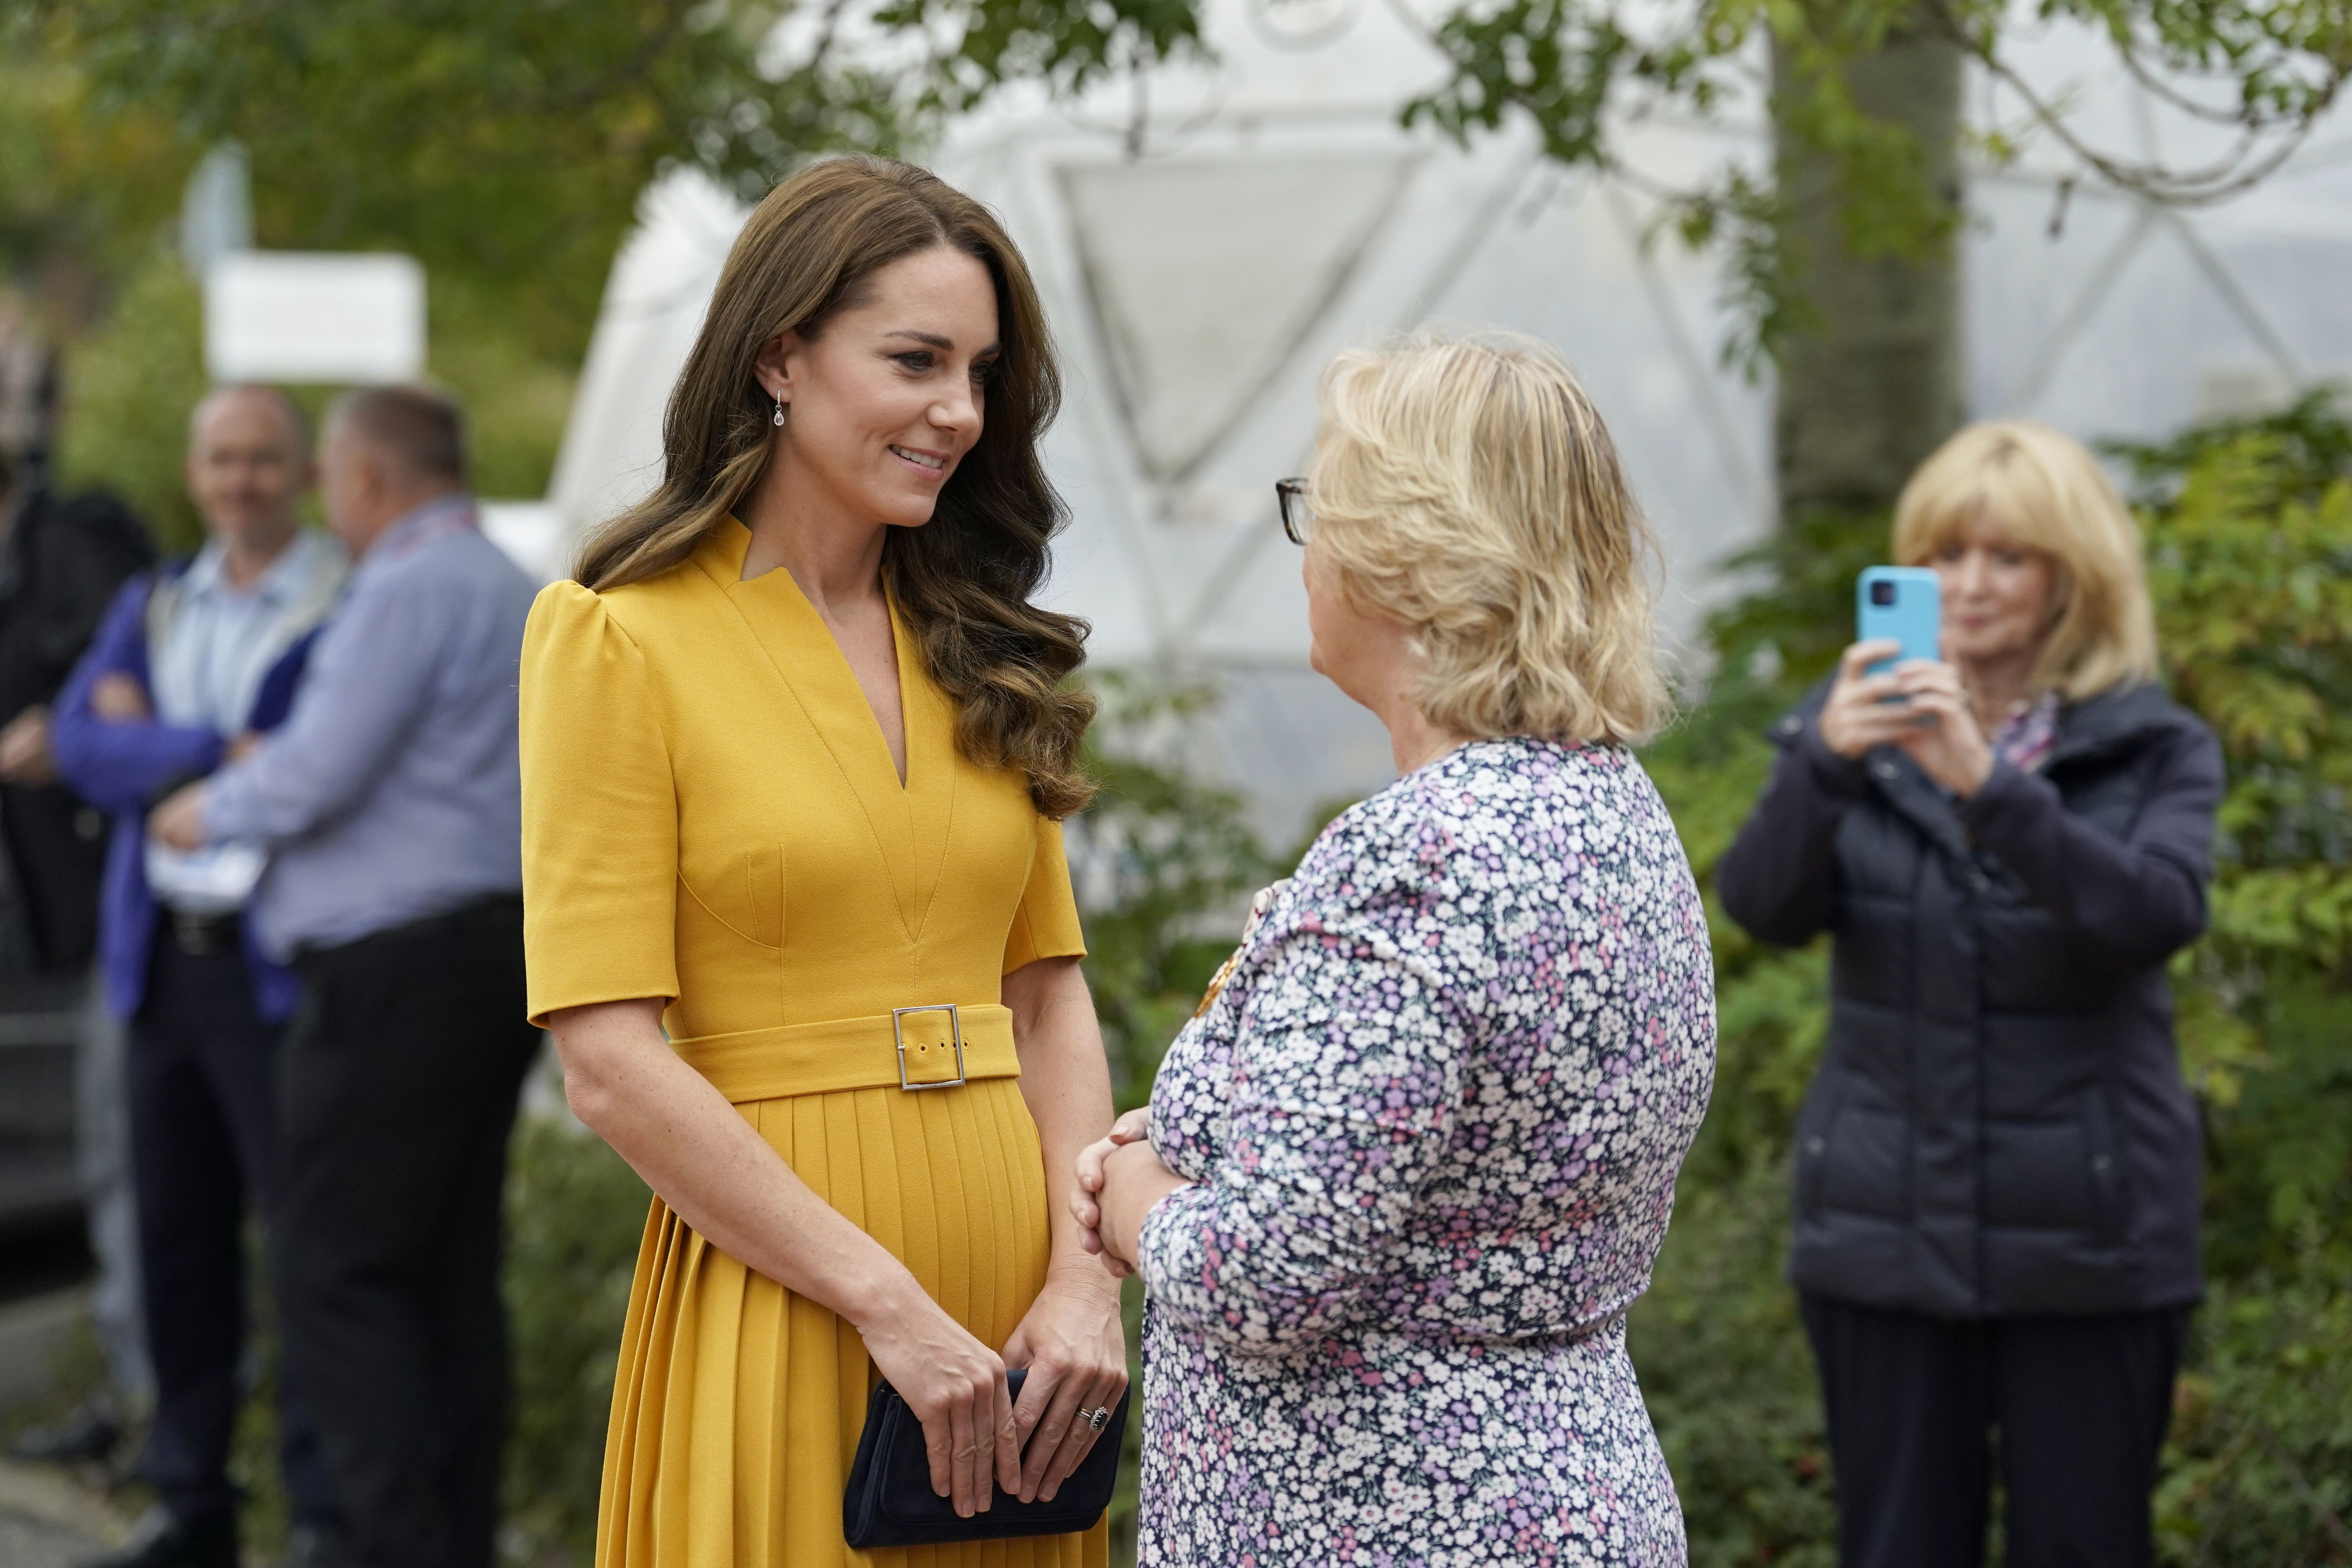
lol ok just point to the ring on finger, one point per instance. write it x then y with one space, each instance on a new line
1098 1419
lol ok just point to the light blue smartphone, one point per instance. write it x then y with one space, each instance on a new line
1905 602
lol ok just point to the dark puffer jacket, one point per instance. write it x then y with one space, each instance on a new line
1999 1126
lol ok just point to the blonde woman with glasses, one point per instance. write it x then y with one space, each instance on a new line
1412 1161
1997 1166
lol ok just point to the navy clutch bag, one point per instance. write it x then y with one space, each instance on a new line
890 1502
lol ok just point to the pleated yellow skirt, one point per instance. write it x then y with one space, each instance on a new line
738 1404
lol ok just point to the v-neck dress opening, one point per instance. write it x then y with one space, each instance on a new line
732 542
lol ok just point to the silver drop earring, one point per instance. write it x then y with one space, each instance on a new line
779 410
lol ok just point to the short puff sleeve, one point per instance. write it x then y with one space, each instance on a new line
599 812
1046 923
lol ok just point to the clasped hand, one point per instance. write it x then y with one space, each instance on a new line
178 821
1120 1181
1919 707
977 1436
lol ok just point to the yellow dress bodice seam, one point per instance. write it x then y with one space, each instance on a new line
803 655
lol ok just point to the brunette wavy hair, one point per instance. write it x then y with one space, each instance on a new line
964 579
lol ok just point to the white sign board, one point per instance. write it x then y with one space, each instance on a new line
294 316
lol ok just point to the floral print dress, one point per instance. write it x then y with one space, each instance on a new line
1435 1114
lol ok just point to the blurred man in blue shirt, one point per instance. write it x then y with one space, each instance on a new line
389 806
190 663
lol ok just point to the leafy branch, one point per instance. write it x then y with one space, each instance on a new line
1579 73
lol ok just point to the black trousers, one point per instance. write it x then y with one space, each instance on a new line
2079 1406
397 1097
200 1076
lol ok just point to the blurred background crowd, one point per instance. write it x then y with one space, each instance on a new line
1788 257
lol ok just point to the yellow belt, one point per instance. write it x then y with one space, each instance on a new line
913 1048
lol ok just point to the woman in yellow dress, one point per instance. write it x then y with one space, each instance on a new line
795 748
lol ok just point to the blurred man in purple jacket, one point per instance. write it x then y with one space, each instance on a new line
191 663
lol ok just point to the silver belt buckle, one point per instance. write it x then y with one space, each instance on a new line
955 1034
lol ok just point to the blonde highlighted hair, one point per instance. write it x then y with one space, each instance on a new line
1467 487
2047 493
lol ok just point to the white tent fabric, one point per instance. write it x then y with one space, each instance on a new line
652 307
1200 264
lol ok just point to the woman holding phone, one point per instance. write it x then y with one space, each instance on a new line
1997 1164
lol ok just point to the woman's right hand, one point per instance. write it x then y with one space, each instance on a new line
1858 715
956 1387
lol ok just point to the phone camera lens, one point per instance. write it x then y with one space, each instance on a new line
1882 593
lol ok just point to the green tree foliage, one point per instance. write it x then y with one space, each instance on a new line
1725 1372
1768 646
2251 534
79 192
2258 620
1164 864
502 144
978 46
2260 1468
1578 71
1722 1358
128 388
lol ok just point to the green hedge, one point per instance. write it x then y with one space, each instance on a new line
574 1215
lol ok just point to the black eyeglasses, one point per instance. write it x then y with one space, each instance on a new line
1297 517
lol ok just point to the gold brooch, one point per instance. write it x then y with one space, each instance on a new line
1262 903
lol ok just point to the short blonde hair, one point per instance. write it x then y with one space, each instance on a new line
1466 488
2048 493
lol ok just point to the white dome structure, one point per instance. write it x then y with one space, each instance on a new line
1201 261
